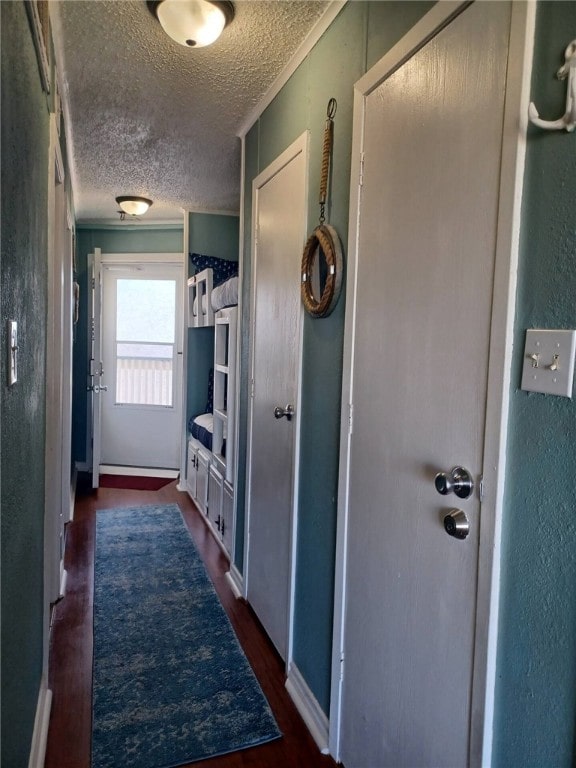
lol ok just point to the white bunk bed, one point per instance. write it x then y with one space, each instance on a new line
211 435
205 299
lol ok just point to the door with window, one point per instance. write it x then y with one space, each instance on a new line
141 382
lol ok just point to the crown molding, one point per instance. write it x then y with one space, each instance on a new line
301 53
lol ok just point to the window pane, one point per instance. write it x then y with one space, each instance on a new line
146 310
160 351
145 335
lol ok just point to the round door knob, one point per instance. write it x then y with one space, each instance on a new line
288 411
458 481
456 524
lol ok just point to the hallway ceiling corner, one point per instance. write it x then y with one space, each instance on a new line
148 117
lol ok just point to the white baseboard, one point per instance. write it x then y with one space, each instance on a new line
308 707
182 486
83 466
40 735
116 469
236 582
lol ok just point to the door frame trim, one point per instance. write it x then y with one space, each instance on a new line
499 360
299 146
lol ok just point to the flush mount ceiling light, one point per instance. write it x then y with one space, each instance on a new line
133 206
193 23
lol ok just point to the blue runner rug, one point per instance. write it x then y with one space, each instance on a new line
171 684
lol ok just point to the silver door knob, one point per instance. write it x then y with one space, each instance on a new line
458 481
456 524
288 411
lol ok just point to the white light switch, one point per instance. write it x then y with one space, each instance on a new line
549 362
12 352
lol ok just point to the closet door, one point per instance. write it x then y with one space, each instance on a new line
279 227
423 297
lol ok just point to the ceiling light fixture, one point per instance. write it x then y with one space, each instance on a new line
192 23
133 206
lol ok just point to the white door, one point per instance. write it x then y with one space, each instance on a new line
432 141
95 364
141 383
279 233
57 495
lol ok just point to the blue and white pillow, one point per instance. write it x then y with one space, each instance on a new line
223 269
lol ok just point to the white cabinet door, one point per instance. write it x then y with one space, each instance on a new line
191 471
202 469
227 527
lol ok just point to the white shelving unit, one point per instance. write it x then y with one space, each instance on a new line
225 390
210 476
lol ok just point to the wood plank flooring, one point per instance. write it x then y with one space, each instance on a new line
71 645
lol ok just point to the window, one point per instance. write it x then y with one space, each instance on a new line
145 341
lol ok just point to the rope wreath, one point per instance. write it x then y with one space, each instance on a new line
323 241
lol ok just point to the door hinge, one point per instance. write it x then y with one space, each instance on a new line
342 666
350 417
361 179
251 387
93 283
481 488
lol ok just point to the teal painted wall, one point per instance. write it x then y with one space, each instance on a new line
360 35
113 240
210 234
536 681
214 234
25 143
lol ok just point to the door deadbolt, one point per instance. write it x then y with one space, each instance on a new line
458 481
456 524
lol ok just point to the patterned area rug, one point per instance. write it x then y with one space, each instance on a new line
171 684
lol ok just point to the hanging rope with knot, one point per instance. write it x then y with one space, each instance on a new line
326 153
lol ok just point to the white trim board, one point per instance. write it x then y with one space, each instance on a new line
235 582
308 707
41 722
499 368
301 53
113 469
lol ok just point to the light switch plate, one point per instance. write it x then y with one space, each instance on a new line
12 352
549 362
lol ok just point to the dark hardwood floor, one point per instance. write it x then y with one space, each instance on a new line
71 646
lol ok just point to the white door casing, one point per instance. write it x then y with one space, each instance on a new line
433 240
279 222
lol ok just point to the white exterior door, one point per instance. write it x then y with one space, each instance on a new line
140 388
279 229
420 340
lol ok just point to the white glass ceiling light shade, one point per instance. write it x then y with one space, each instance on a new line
134 206
194 23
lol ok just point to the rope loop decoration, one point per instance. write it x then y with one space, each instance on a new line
324 240
323 244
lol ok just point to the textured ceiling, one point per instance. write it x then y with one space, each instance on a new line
150 117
